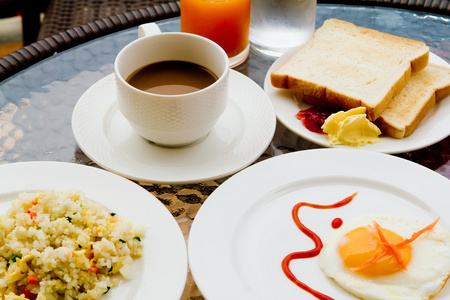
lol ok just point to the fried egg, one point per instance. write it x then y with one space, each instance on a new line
426 259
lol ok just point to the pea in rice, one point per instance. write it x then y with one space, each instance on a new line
60 245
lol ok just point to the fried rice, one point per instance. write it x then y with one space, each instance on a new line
60 245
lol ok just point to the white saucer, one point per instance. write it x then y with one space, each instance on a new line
434 128
240 136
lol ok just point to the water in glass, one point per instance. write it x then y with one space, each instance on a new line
279 25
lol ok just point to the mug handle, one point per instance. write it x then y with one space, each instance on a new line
148 29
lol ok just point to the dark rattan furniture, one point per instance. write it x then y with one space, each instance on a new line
69 23
62 15
65 39
432 6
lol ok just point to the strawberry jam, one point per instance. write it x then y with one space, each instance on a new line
314 117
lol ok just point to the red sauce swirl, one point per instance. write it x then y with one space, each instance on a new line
317 242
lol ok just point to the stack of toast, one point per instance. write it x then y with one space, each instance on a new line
350 66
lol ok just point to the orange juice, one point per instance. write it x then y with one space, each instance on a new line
226 22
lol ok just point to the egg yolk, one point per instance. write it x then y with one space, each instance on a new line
361 244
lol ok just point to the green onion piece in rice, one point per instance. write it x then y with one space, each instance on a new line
15 257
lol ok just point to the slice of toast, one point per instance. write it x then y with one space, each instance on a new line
405 112
352 66
407 109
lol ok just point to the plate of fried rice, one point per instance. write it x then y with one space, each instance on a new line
69 231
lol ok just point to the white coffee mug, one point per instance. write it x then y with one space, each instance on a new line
171 120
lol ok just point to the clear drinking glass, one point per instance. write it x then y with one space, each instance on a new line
279 25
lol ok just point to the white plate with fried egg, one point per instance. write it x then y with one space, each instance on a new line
245 229
433 128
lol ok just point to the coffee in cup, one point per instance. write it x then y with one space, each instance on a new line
172 77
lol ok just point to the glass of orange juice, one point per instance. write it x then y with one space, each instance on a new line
226 22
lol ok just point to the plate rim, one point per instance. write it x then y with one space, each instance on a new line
270 120
96 183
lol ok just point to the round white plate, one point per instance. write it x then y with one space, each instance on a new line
240 136
162 269
434 128
245 228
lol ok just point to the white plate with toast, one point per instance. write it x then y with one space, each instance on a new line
434 128
245 228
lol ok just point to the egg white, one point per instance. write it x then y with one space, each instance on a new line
426 273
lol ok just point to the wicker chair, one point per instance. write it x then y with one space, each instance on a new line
433 6
65 39
62 15
68 23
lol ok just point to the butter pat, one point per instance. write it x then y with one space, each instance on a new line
351 128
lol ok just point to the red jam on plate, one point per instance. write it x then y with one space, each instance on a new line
314 117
